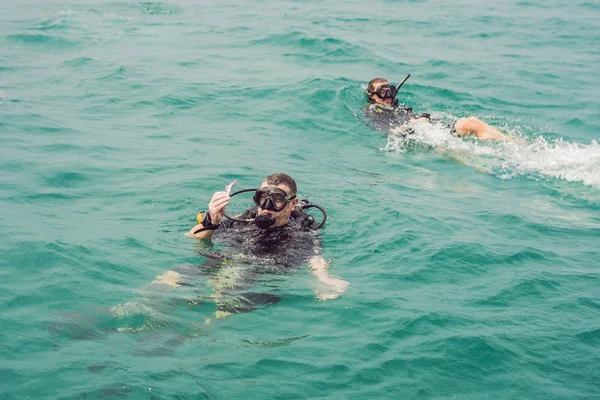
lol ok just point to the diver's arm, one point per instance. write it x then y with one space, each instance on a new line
200 235
333 286
481 129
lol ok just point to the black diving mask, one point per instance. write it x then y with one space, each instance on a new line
385 91
272 198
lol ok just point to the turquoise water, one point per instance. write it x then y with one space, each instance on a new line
474 271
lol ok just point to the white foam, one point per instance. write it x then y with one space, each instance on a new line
539 158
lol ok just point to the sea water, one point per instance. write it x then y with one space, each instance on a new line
473 267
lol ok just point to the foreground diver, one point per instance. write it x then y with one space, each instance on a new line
385 113
275 233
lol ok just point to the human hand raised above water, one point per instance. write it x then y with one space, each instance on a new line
216 206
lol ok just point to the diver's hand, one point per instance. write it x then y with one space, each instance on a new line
329 288
216 207
332 289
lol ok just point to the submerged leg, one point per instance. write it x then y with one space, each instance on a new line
475 126
245 302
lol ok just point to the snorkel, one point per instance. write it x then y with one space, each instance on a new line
395 100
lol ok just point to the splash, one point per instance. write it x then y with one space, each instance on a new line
539 158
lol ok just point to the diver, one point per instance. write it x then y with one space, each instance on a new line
275 202
275 233
386 114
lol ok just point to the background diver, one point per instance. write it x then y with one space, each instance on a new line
385 113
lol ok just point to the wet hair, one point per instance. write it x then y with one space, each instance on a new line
280 178
372 83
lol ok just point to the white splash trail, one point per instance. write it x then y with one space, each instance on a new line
540 157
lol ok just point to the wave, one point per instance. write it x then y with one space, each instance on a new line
306 47
55 42
156 7
77 62
525 290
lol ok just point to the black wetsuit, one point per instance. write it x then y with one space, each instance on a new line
288 245
383 117
252 252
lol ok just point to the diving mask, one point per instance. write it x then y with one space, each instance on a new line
385 91
272 198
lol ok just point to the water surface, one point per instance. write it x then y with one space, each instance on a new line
474 272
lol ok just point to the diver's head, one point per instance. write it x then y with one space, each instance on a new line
380 91
276 198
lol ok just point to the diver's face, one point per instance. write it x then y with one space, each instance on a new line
283 216
378 99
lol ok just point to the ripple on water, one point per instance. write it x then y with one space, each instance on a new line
50 25
429 323
307 47
453 365
78 62
590 5
156 7
66 179
42 42
526 291
590 338
117 74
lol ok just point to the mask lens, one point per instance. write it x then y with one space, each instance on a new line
278 200
386 91
273 199
260 197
